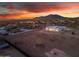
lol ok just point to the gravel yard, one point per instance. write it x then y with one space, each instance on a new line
37 43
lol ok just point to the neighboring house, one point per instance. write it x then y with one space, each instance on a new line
24 29
2 27
56 28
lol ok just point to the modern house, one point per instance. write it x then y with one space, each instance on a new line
56 28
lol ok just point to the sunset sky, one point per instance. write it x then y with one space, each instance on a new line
27 10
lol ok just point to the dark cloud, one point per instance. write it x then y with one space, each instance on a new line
44 6
38 7
32 6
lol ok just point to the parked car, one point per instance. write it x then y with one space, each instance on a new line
3 44
3 32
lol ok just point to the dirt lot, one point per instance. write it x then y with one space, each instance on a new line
37 43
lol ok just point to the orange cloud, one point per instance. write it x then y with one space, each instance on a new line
31 10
